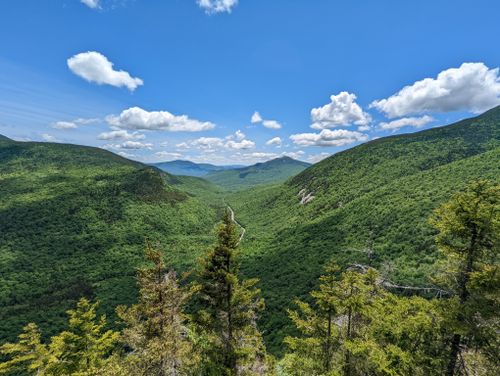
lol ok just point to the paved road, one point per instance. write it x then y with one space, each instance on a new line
243 230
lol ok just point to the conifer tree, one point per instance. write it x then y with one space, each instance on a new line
155 328
29 353
314 353
227 319
85 346
469 232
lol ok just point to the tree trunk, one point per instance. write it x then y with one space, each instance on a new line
463 295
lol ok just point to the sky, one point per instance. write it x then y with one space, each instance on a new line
242 81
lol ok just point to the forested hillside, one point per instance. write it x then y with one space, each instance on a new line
73 221
369 205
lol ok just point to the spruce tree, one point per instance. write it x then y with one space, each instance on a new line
156 327
28 354
227 318
85 346
314 353
469 229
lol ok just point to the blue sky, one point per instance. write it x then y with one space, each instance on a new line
182 79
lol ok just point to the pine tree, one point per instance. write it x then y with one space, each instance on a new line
85 346
155 328
314 353
227 319
469 229
29 353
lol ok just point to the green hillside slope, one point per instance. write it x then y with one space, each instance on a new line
369 204
73 221
274 171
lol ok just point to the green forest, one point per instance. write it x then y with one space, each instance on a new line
379 260
354 325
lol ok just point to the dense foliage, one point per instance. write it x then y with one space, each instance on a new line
354 326
73 222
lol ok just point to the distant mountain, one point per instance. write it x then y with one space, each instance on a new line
3 138
274 171
188 168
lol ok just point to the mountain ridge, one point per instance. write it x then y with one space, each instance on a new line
274 171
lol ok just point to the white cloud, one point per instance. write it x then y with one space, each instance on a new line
341 111
93 4
276 141
129 145
121 135
238 145
416 122
236 141
327 137
239 135
364 128
169 155
256 118
217 6
73 124
49 138
317 157
137 118
95 67
293 154
203 143
471 87
271 124
126 155
64 125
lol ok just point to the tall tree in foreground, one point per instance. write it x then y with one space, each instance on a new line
469 232
314 352
228 311
156 329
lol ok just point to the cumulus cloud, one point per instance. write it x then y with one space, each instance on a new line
236 141
121 135
341 111
416 122
238 145
129 145
64 125
314 158
327 137
49 138
95 67
139 119
93 4
271 124
217 6
73 124
276 141
256 118
471 87
169 155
